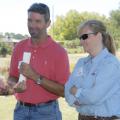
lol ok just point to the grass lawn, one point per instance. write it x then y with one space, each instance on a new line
6 108
7 105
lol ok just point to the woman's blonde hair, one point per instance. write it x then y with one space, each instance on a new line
97 26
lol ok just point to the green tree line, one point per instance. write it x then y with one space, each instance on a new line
12 36
65 27
6 47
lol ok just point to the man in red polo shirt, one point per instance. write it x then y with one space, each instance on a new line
46 73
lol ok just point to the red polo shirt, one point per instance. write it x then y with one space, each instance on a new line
48 59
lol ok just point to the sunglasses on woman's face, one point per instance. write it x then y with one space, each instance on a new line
85 36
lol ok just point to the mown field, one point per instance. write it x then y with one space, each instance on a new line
7 104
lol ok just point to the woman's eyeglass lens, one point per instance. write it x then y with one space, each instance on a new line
85 36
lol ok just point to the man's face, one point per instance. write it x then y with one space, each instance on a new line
36 24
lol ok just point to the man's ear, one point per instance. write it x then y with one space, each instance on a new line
48 23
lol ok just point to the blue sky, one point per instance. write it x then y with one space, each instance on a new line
14 12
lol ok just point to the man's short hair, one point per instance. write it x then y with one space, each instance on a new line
41 9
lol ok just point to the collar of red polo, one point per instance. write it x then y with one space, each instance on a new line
44 44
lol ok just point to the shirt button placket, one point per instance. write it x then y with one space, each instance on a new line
34 52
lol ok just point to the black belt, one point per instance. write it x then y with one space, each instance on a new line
84 117
33 105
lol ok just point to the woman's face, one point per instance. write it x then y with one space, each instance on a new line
88 39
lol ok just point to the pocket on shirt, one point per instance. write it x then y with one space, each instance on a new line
90 80
93 78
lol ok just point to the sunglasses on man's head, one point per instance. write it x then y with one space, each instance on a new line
85 36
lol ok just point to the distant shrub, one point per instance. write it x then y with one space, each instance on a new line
75 50
72 46
72 43
5 49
